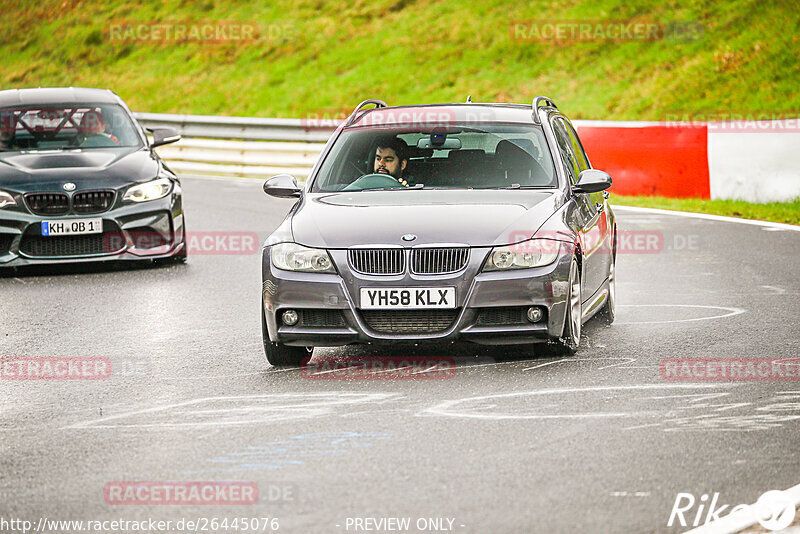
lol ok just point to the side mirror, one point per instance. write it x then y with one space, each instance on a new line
592 181
163 136
283 186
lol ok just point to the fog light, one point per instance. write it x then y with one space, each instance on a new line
289 317
534 314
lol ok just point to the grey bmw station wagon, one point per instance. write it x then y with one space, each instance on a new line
434 223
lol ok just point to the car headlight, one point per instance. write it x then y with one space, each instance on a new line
149 191
294 257
6 199
531 253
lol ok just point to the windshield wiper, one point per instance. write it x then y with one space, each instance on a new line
517 186
416 186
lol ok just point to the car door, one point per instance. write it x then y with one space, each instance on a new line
591 232
602 231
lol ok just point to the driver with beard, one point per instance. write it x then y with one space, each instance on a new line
391 159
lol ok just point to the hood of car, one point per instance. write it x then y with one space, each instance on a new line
88 169
471 217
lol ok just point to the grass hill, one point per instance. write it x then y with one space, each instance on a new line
313 56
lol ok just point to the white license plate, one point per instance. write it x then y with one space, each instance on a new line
373 298
72 227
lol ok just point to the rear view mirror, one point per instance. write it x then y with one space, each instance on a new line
451 143
282 186
592 181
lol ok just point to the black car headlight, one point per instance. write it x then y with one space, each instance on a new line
294 257
531 253
6 199
149 190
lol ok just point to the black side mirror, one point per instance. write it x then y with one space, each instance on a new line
163 136
592 181
283 186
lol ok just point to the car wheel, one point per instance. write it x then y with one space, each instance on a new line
571 336
280 355
182 255
608 311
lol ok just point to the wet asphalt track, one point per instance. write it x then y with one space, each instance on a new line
593 443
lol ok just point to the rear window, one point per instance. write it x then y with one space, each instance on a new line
466 156
60 127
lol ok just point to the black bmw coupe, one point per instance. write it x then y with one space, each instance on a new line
80 181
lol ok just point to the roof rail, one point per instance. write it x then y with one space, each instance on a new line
378 104
538 102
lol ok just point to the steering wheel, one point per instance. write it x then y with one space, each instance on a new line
373 181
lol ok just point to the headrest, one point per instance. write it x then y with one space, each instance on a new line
470 154
525 144
7 123
509 151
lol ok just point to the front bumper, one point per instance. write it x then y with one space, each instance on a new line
150 230
476 292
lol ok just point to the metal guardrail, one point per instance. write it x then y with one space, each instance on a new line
260 148
241 146
245 146
253 147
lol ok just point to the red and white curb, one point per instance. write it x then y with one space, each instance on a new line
757 161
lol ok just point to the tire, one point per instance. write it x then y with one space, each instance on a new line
279 355
182 256
608 311
179 258
570 338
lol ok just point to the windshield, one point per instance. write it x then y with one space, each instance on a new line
477 156
66 127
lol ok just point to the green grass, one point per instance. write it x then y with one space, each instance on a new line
783 212
314 57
